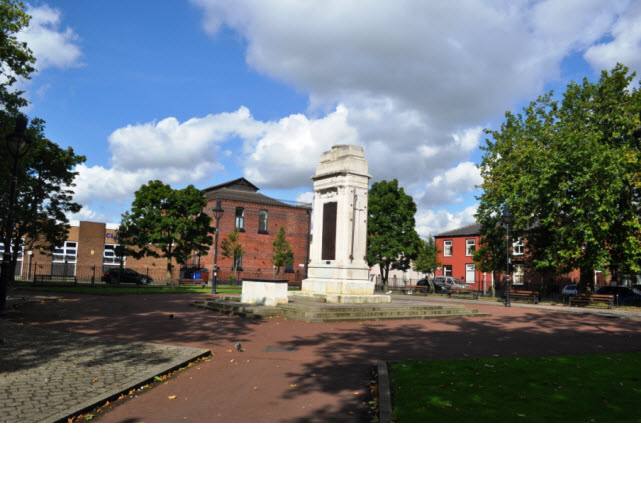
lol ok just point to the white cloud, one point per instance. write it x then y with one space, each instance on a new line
433 222
289 151
624 45
450 186
52 45
169 143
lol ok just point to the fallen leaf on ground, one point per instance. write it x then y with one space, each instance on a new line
293 385
171 397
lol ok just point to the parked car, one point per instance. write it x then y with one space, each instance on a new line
571 289
125 275
625 295
439 287
450 281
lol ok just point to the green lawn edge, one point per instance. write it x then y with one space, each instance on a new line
573 388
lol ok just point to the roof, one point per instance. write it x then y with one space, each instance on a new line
466 231
241 190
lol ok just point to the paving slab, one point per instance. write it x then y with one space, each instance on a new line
48 375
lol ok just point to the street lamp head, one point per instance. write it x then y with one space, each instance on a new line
218 210
16 141
507 215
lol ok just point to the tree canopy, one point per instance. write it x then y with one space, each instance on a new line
16 59
167 223
570 172
44 192
392 241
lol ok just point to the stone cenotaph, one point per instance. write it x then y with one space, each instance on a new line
338 271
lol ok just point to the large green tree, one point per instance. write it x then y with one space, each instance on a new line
392 241
166 223
16 60
570 171
44 189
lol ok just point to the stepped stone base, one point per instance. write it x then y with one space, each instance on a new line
339 298
311 311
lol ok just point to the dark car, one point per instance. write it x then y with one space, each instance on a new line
439 285
624 295
125 275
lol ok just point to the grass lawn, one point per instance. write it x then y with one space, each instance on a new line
577 388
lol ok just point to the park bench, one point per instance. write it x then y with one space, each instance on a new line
58 279
190 281
592 299
416 288
463 291
524 294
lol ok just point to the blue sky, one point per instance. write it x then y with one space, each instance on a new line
206 91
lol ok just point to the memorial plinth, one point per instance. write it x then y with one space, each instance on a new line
263 291
338 271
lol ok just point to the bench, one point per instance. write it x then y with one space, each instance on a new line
524 294
463 291
587 299
59 279
416 288
190 281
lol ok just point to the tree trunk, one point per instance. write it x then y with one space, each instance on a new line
586 280
169 276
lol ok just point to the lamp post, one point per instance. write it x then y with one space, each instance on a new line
507 219
15 144
218 214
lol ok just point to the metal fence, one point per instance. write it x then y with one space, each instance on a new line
72 274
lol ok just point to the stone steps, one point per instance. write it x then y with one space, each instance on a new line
315 312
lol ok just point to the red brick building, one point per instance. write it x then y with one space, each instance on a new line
258 219
457 247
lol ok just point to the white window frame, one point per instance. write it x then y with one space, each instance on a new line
19 259
518 247
470 246
470 268
518 272
447 270
66 252
112 259
446 244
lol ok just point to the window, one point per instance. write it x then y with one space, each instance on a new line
262 221
470 246
447 270
64 259
109 256
240 218
470 273
518 275
447 248
68 253
289 268
19 256
518 247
